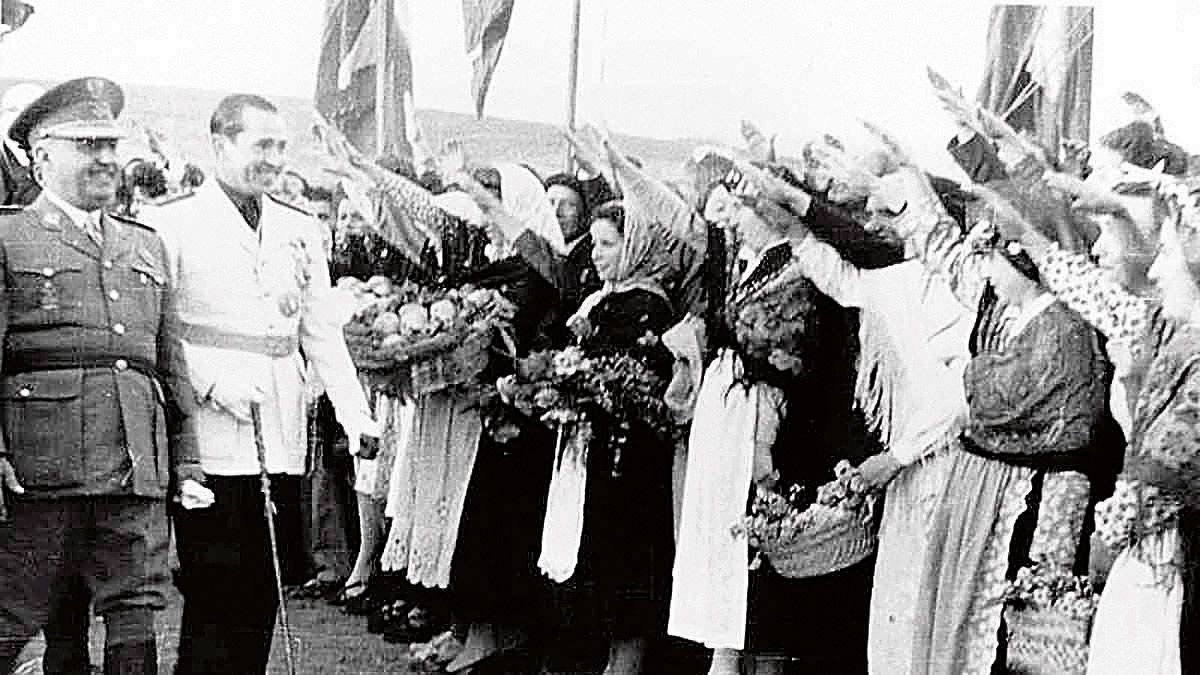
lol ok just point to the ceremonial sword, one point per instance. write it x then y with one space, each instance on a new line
269 512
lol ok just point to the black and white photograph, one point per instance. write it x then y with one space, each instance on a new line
599 337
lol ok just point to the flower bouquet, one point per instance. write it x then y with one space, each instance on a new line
415 341
808 537
1048 617
773 325
569 392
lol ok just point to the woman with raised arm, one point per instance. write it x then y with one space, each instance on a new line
1147 619
774 407
1037 433
913 341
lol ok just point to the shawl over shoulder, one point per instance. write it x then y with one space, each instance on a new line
1042 401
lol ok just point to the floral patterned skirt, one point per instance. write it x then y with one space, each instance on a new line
978 530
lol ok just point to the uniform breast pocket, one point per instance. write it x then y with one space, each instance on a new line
142 285
43 427
46 291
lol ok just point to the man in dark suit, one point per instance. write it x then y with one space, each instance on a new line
569 198
90 389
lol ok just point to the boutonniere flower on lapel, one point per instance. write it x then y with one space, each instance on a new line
285 273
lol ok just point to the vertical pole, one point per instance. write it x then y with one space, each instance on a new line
573 81
382 90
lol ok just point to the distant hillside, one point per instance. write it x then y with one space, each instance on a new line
182 114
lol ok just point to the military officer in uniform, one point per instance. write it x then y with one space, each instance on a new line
91 388
253 294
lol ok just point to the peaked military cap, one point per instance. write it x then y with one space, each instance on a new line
78 109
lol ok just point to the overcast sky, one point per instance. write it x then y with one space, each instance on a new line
667 68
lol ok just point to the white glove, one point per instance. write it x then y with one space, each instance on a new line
193 495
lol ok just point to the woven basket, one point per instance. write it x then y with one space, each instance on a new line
460 364
829 545
1046 642
363 345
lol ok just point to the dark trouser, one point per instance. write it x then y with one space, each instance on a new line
332 507
66 631
227 577
54 554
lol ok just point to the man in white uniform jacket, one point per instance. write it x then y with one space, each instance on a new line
254 306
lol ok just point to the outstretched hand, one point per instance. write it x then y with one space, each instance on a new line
774 188
760 147
1010 223
965 112
891 146
589 154
452 159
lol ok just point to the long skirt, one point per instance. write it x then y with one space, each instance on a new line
430 485
1137 624
994 518
962 584
911 500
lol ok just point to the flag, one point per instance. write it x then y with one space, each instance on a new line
486 24
1039 71
364 75
13 14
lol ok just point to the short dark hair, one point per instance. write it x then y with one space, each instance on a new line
574 185
227 120
614 212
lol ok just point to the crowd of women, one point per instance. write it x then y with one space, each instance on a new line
1010 362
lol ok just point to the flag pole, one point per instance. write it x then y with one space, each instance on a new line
381 77
573 81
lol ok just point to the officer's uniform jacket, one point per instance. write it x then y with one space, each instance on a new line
252 308
86 367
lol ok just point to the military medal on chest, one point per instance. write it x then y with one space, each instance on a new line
48 297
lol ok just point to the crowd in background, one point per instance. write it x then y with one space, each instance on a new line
992 355
1009 361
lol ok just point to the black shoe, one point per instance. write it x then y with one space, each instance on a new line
420 626
348 593
392 612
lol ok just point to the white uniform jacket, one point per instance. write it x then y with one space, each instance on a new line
252 308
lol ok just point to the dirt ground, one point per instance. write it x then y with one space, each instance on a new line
327 641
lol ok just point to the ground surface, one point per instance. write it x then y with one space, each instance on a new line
327 642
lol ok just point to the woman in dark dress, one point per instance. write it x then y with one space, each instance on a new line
620 583
494 579
765 418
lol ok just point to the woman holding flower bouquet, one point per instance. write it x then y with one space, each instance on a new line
613 565
494 579
775 406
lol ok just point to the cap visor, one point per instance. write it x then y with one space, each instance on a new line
85 130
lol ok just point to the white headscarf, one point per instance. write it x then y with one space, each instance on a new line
524 197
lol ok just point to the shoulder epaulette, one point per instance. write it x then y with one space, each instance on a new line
293 207
171 199
126 220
